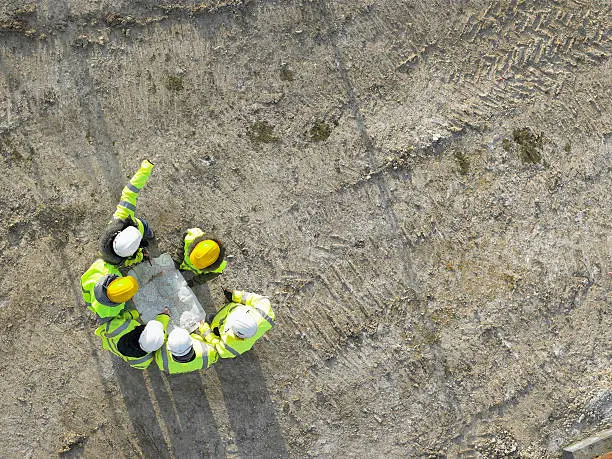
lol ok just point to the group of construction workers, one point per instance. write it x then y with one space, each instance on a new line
230 332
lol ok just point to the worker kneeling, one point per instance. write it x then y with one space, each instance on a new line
135 343
105 290
202 254
239 324
184 353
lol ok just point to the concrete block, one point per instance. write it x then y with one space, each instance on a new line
589 448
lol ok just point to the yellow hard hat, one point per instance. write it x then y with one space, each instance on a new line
204 254
122 289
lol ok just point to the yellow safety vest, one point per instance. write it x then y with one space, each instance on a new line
229 345
205 356
193 237
124 216
112 331
93 288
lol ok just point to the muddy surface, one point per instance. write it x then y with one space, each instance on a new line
422 188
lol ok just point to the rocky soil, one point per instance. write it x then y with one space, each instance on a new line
422 188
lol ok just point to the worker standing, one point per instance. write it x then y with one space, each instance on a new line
105 290
134 342
126 235
202 254
184 353
239 324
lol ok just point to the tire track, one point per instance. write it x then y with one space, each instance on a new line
530 50
345 306
494 60
332 37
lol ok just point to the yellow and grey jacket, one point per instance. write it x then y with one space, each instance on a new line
124 217
94 283
229 345
120 336
202 356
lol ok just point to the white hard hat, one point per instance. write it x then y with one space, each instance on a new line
242 322
152 337
126 243
179 342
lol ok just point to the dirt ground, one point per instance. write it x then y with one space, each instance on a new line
422 189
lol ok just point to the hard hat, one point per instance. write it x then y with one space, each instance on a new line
179 342
241 322
204 254
122 289
152 337
126 243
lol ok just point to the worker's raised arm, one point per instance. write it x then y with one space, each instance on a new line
254 300
129 195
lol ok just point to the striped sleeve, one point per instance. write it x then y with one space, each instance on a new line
254 300
129 195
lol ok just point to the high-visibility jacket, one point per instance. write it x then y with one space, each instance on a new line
205 356
193 237
119 328
93 287
124 217
229 345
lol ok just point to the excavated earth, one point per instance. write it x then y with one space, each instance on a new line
423 189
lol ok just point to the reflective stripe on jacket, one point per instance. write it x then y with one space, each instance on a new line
93 288
227 344
205 356
112 331
124 213
129 195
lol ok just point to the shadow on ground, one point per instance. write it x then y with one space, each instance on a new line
172 417
249 407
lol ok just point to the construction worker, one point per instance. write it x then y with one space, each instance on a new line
184 352
238 324
126 236
202 254
135 343
105 290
